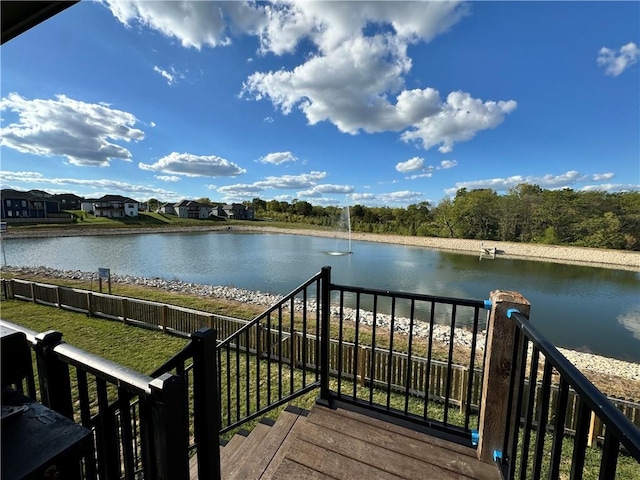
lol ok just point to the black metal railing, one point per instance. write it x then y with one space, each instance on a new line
271 360
535 445
387 359
142 426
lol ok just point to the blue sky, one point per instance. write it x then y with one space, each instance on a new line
335 103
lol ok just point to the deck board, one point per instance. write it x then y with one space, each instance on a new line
344 444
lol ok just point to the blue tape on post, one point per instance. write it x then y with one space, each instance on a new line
475 437
511 311
487 304
497 455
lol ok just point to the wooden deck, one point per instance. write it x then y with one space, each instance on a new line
340 444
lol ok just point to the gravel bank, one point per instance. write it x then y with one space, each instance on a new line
616 259
583 361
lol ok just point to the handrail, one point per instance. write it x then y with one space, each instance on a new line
98 366
105 369
627 433
183 354
272 308
30 334
411 296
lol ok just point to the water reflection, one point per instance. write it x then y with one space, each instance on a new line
631 321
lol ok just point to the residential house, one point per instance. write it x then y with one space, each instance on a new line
69 201
235 211
115 206
192 209
168 209
17 204
87 205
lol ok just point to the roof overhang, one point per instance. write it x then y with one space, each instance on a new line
18 17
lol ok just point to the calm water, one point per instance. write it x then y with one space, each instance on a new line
585 308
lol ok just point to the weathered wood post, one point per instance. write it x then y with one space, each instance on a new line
165 314
494 406
58 301
33 292
89 304
125 310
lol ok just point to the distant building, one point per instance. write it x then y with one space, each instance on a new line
235 211
115 206
17 204
187 209
69 201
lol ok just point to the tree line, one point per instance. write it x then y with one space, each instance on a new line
526 213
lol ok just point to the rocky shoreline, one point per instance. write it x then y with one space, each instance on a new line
603 258
462 337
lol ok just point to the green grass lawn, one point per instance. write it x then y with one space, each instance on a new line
137 348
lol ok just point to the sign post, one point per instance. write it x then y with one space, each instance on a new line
104 273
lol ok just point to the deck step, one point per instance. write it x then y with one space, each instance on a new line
259 458
243 452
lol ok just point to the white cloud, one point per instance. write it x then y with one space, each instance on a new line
211 186
403 196
292 181
240 190
602 176
152 124
268 119
194 24
318 191
168 178
278 158
611 187
88 187
412 165
615 63
459 119
81 132
419 175
359 197
171 76
548 181
194 165
286 182
445 164
354 72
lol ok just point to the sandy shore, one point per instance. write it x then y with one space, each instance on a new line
616 259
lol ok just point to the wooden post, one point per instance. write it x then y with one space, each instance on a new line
210 321
362 367
33 292
12 290
594 428
464 379
58 297
125 310
89 304
497 371
165 314
294 358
